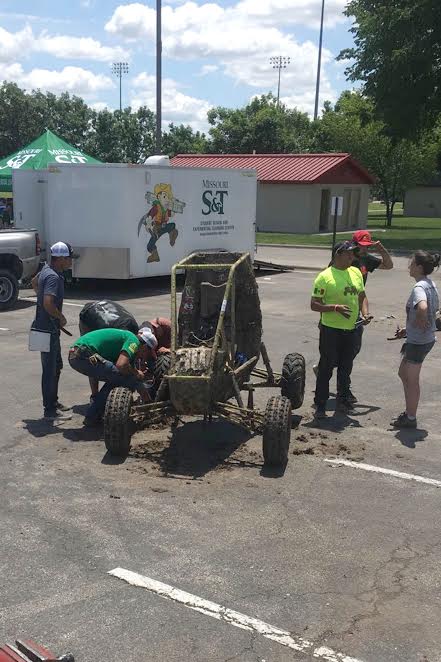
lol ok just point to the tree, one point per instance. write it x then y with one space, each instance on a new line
25 116
261 126
122 136
397 55
183 140
351 126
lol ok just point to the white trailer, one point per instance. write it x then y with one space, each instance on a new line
129 221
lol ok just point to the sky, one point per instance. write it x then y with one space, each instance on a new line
215 52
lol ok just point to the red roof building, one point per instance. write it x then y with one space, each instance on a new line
295 190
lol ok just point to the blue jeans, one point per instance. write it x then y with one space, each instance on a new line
107 372
52 365
164 229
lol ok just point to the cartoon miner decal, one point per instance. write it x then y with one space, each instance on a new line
157 220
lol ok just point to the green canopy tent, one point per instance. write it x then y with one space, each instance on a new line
48 148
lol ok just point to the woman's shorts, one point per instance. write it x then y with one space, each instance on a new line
416 353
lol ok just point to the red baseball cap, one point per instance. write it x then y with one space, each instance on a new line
363 238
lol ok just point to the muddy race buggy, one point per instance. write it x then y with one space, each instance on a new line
215 348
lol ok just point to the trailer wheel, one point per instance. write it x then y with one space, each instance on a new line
118 427
276 431
293 379
8 289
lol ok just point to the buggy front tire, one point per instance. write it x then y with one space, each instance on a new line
277 431
118 426
293 379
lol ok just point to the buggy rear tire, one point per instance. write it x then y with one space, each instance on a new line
276 431
293 379
118 427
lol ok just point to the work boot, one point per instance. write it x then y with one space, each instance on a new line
154 256
173 236
351 398
320 412
344 405
403 421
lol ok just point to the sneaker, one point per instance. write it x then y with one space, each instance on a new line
403 421
351 398
60 407
57 416
315 369
320 412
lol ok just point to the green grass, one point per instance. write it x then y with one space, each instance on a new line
407 234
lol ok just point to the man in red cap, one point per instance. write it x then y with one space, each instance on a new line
367 263
364 260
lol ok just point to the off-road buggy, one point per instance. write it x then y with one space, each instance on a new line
216 346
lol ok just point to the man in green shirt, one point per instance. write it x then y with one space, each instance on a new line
109 355
339 296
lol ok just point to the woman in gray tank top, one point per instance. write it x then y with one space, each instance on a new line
421 309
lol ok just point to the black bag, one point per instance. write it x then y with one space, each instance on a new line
106 315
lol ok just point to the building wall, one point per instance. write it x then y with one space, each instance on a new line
284 208
297 208
423 201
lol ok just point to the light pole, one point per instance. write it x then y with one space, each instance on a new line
279 62
319 63
158 77
120 68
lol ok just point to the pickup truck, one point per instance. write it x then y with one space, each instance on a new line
19 259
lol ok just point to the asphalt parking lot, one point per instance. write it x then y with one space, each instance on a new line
325 561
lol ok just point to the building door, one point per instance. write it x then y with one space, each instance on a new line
347 201
355 208
351 208
324 210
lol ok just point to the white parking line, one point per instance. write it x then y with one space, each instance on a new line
387 472
65 303
229 616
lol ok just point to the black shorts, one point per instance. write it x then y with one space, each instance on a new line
416 353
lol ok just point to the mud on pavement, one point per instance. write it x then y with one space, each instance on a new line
194 448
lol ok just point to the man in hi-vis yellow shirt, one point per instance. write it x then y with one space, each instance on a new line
338 295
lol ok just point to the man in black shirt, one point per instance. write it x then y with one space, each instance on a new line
367 263
364 260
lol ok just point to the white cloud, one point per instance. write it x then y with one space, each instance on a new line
23 43
293 12
177 107
78 48
191 21
133 21
70 79
242 37
14 44
208 69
